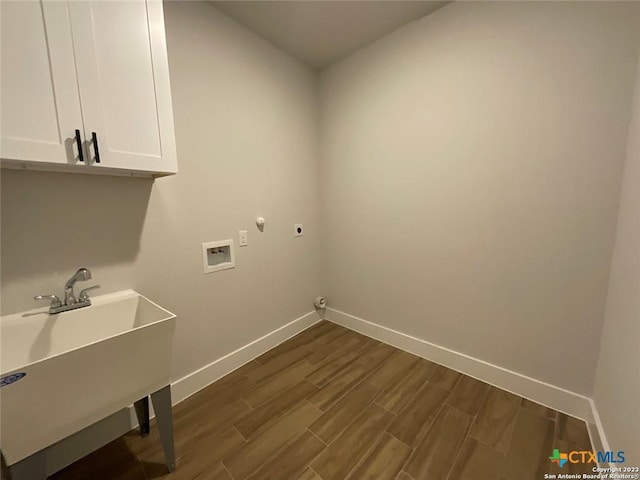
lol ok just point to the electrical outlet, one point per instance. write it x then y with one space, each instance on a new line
298 230
244 239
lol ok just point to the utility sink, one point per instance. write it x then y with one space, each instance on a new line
61 373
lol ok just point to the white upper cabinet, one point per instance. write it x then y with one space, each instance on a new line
96 66
40 102
124 83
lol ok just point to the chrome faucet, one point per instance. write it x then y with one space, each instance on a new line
70 300
82 274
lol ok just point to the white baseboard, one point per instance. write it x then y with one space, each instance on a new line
99 434
599 429
544 393
597 435
69 450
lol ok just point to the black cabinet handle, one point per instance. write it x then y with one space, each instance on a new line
79 144
94 137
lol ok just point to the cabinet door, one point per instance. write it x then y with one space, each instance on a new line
40 102
123 76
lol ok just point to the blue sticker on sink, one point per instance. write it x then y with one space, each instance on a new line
9 379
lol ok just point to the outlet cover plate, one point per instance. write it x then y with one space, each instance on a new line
244 238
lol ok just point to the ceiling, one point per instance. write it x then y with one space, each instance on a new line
320 32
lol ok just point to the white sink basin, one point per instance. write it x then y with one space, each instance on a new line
80 366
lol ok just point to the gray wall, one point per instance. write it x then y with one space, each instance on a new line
617 392
53 223
245 116
470 178
471 166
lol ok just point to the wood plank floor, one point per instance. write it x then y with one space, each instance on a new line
331 404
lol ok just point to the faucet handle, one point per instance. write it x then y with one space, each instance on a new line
84 296
55 301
